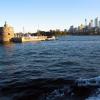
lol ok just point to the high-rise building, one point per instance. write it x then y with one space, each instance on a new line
99 24
85 22
71 29
96 22
91 23
81 26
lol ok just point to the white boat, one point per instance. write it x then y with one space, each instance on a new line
51 38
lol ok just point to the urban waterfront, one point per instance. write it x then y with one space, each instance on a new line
51 70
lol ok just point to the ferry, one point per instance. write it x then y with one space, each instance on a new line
51 38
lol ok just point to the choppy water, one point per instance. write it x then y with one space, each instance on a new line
65 69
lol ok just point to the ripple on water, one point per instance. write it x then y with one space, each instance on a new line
31 70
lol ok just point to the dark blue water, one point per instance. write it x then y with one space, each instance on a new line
64 69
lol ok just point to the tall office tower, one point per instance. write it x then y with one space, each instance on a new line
91 23
96 22
89 26
85 22
99 24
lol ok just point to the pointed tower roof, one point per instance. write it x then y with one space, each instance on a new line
5 25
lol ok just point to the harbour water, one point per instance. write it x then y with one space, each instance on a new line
64 69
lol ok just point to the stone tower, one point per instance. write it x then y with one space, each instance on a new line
6 33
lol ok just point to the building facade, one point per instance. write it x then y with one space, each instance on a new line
6 33
96 22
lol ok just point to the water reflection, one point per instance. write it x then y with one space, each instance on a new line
7 47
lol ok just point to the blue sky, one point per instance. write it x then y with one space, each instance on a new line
47 14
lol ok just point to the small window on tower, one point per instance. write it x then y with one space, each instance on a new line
8 33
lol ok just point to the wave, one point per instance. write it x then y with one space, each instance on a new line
52 89
89 82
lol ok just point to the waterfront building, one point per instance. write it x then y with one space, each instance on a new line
85 22
91 28
81 26
71 29
96 22
91 24
99 24
6 33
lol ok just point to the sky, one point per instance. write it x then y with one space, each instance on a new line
47 14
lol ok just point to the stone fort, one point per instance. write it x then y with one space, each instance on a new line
6 33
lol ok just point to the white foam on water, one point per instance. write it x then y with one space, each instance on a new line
89 82
58 93
95 96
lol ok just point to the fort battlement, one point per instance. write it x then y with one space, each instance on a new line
6 33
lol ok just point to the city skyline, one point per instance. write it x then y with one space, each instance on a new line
90 23
47 14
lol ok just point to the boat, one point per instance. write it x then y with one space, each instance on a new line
51 38
29 38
